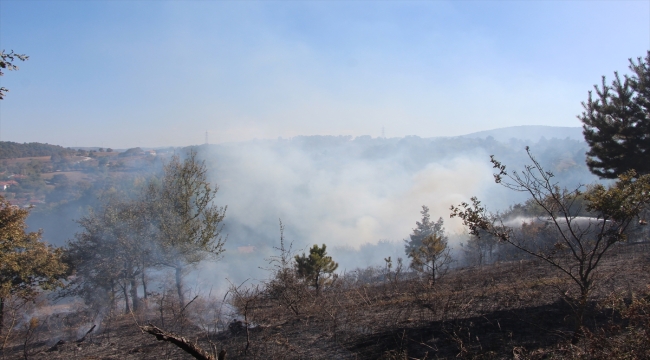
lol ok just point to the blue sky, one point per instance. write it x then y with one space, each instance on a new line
153 73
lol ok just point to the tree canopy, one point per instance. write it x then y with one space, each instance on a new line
27 265
432 257
315 267
7 61
617 123
10 150
188 223
170 222
424 228
111 252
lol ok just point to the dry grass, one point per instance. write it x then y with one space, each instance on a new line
506 310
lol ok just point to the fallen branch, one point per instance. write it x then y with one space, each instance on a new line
87 332
183 343
55 347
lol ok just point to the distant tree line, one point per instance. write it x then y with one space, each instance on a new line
11 150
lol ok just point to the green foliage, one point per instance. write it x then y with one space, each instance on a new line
427 246
102 161
132 152
27 265
7 61
574 247
617 123
11 150
480 250
166 221
424 229
316 268
621 202
60 180
432 257
188 224
111 252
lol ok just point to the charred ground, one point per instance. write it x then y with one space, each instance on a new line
504 310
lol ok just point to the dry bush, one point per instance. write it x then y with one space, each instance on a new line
504 310
626 335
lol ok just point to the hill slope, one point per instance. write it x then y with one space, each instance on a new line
532 133
10 150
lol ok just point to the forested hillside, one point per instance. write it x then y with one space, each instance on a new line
10 150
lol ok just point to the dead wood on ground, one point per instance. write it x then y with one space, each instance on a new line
183 343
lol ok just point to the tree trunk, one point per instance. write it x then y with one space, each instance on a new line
134 294
144 285
433 273
179 285
580 314
2 314
127 308
113 296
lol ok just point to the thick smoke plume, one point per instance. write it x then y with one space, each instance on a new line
360 196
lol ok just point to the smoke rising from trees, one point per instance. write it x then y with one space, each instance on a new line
360 196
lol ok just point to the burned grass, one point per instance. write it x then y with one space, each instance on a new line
506 310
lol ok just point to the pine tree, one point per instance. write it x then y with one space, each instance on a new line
317 267
432 257
424 228
188 222
617 123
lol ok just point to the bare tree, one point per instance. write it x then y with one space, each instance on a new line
284 286
577 244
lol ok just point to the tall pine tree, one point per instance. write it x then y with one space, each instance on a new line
425 228
617 123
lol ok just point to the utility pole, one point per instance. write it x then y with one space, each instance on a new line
383 133
206 137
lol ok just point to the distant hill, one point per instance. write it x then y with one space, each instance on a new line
10 150
531 133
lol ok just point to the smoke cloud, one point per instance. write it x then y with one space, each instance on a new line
359 196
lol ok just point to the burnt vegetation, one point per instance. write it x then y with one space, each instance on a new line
563 275
500 310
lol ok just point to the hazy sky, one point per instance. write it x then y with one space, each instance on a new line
153 73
